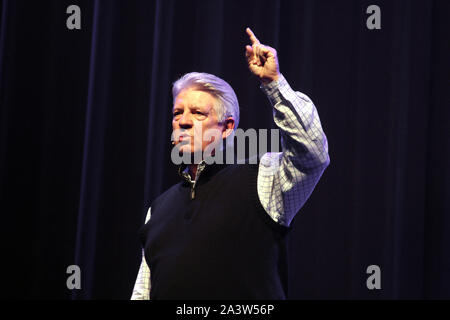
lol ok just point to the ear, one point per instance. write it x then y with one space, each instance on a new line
228 127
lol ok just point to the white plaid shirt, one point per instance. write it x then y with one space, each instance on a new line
285 179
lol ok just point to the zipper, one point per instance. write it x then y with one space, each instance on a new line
193 191
201 166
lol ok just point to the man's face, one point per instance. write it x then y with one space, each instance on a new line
193 118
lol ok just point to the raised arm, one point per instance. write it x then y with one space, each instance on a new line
286 179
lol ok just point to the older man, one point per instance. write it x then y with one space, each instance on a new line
221 232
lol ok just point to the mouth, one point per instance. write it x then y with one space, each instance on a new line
181 137
184 137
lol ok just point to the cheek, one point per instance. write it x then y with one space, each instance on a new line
198 130
212 134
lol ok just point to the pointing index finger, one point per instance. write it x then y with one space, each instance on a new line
252 36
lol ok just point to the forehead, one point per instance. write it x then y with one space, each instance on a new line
194 97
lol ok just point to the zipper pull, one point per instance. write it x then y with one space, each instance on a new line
200 168
193 189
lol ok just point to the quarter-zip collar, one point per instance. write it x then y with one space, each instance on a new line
204 171
183 172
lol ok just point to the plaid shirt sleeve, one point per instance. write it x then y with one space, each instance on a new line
141 290
286 179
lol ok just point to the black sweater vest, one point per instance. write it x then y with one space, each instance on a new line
219 245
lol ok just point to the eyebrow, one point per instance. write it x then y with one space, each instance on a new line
195 107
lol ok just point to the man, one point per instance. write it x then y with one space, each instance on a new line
221 232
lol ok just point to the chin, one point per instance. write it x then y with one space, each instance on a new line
187 149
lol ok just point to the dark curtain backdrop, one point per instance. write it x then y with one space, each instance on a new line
85 136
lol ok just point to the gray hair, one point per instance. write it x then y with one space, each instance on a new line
227 104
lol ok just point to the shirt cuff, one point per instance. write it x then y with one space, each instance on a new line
274 88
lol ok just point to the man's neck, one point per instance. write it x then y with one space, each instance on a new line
192 171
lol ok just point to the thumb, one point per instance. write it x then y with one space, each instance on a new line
248 51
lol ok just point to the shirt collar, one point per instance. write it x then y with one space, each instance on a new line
204 170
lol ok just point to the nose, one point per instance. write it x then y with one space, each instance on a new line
185 121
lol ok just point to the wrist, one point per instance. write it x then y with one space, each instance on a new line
267 80
272 89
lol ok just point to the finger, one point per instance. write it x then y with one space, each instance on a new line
252 36
265 49
255 54
256 49
271 52
260 57
248 51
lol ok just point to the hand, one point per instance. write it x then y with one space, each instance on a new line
262 60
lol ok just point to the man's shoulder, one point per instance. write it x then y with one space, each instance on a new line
175 188
238 168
